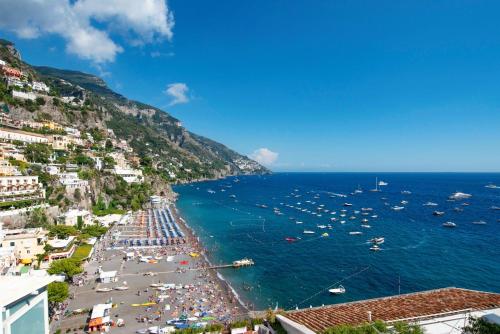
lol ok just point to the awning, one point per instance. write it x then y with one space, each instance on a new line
26 261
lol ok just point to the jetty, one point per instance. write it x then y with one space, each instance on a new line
236 264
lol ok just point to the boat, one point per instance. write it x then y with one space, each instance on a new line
366 226
355 233
382 183
430 204
457 209
492 186
121 288
290 239
103 290
459 196
325 235
347 204
377 240
299 222
438 213
358 190
404 202
243 262
375 248
210 191
337 291
406 192
495 208
366 209
449 224
397 208
308 232
232 196
479 222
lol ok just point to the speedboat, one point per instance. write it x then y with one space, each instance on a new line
377 240
459 196
290 239
308 232
366 209
103 290
430 204
495 208
492 186
337 291
121 288
404 202
383 183
479 222
398 208
438 213
375 248
449 224
366 226
406 192
355 233
299 222
347 204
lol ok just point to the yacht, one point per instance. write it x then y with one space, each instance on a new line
492 186
376 186
383 184
479 222
337 291
438 213
398 208
459 196
377 240
449 224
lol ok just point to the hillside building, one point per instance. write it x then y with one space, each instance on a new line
27 243
11 135
23 96
71 217
72 181
18 188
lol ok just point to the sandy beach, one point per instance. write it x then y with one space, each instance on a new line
199 293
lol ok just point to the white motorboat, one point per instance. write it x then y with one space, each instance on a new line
121 288
479 222
430 204
337 291
375 248
397 208
103 290
449 224
382 183
406 192
377 240
366 209
492 186
347 204
495 208
355 233
459 196
438 213
366 226
308 232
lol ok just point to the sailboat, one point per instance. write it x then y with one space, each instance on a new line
377 189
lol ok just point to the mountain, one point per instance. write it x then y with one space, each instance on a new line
159 139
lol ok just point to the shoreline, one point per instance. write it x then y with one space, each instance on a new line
219 278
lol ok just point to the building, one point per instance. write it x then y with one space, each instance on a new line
19 188
40 86
11 72
23 136
24 309
100 318
15 82
23 95
128 174
2 62
436 311
27 243
70 218
107 276
6 169
7 255
72 181
61 248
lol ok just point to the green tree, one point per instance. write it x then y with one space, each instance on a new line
38 152
78 195
70 267
40 101
37 218
57 292
481 326
79 222
62 231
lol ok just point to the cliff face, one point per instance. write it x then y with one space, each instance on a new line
155 136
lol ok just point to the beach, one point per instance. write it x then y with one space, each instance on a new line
199 294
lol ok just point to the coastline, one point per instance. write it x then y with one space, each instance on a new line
229 290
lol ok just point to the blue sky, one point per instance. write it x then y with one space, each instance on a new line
326 85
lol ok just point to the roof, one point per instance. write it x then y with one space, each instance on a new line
16 287
61 243
413 305
99 310
107 274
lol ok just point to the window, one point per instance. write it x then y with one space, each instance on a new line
12 243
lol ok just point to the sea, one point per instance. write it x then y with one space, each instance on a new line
252 216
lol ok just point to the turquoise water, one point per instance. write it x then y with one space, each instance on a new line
418 253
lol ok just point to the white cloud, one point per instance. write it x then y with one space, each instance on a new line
140 22
264 156
178 93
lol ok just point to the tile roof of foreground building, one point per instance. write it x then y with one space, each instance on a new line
402 307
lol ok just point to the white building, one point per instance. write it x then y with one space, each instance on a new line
72 181
40 86
7 255
2 62
70 218
15 82
23 95
130 175
24 308
17 188
107 276
52 169
26 137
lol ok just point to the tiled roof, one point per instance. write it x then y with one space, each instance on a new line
420 304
